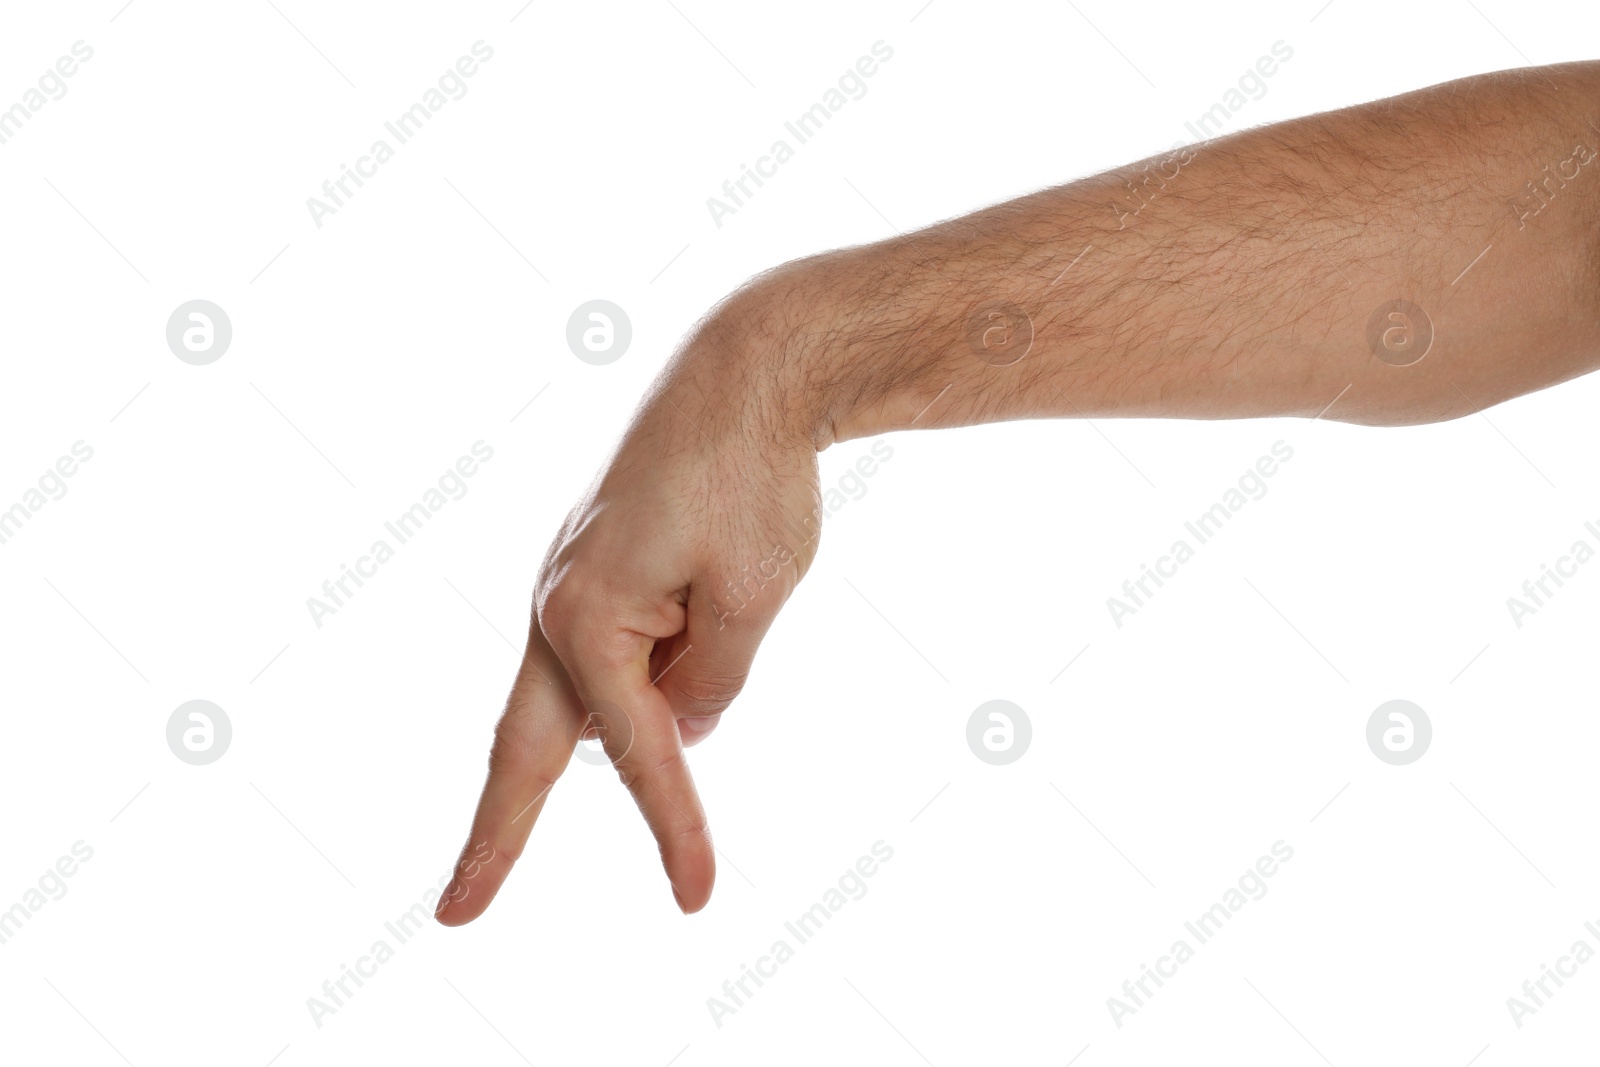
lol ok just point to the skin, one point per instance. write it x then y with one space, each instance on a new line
1232 279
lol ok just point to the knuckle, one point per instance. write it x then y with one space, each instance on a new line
559 607
696 830
579 612
510 852
674 761
637 773
510 750
514 755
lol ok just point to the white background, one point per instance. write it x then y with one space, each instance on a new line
1170 755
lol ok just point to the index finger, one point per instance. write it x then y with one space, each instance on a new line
533 741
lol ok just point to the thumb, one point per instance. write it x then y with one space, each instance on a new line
704 667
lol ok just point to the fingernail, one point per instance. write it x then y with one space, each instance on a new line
679 898
444 901
694 730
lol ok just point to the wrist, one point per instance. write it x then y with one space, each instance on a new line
772 348
846 344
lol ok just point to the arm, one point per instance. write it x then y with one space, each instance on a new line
1406 261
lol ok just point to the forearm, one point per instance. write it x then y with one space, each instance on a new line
1235 278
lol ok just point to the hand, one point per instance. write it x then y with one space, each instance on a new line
653 597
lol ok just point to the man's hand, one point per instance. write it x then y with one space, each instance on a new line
1406 261
652 599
